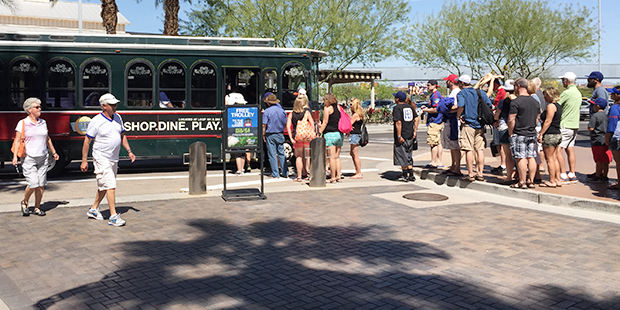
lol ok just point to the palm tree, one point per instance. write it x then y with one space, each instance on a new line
109 12
9 4
171 11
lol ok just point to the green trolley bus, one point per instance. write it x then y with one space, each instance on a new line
172 89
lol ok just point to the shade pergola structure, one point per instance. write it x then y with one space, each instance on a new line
351 76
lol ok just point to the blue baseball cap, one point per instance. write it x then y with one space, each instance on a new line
267 95
400 95
613 90
595 75
601 102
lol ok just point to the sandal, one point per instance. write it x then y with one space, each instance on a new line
25 211
479 178
39 212
357 177
468 178
547 184
519 185
530 185
297 180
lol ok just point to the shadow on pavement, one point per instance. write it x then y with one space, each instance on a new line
293 265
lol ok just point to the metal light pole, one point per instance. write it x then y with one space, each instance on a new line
599 35
80 16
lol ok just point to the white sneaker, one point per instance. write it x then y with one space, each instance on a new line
95 214
239 172
116 220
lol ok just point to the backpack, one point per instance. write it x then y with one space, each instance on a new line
485 113
364 136
344 123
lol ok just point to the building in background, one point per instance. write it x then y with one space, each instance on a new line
39 15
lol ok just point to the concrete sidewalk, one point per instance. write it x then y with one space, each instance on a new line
583 194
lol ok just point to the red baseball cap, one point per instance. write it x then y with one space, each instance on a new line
452 78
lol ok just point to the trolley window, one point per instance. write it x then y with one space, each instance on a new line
270 78
60 84
293 78
204 85
140 81
172 85
25 81
243 81
95 81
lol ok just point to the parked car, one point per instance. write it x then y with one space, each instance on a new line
584 111
379 104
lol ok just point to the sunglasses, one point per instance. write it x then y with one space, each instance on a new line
36 107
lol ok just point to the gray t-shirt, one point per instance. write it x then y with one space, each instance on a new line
598 121
599 92
541 99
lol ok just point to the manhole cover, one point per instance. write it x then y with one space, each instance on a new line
425 197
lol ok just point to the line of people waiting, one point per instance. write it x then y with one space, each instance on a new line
531 125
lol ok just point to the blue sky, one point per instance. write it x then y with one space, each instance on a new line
144 17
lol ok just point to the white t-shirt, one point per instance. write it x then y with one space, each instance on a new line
107 135
36 137
454 92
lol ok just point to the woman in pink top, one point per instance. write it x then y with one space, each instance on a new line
35 163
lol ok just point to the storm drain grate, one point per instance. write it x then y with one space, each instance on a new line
425 197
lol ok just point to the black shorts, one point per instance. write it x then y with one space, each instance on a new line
402 153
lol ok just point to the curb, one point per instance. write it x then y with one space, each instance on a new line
529 195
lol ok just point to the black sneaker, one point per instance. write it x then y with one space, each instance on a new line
591 176
498 170
248 169
403 178
412 178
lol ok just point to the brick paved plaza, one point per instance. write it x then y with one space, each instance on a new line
331 249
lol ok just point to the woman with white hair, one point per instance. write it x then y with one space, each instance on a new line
35 162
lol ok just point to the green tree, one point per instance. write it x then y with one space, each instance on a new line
510 37
363 31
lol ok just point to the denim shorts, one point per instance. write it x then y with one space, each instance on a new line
354 139
333 138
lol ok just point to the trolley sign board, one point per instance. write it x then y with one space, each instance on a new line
242 127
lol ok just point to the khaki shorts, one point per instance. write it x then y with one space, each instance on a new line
472 139
105 172
433 134
445 137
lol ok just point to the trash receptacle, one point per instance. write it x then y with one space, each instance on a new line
317 162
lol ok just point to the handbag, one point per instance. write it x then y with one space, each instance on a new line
304 131
364 136
344 123
20 147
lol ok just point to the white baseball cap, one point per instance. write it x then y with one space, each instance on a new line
569 75
509 85
234 98
108 99
465 79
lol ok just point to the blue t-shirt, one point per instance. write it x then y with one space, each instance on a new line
468 99
612 120
436 118
275 119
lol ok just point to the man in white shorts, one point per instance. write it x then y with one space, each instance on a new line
570 100
106 129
